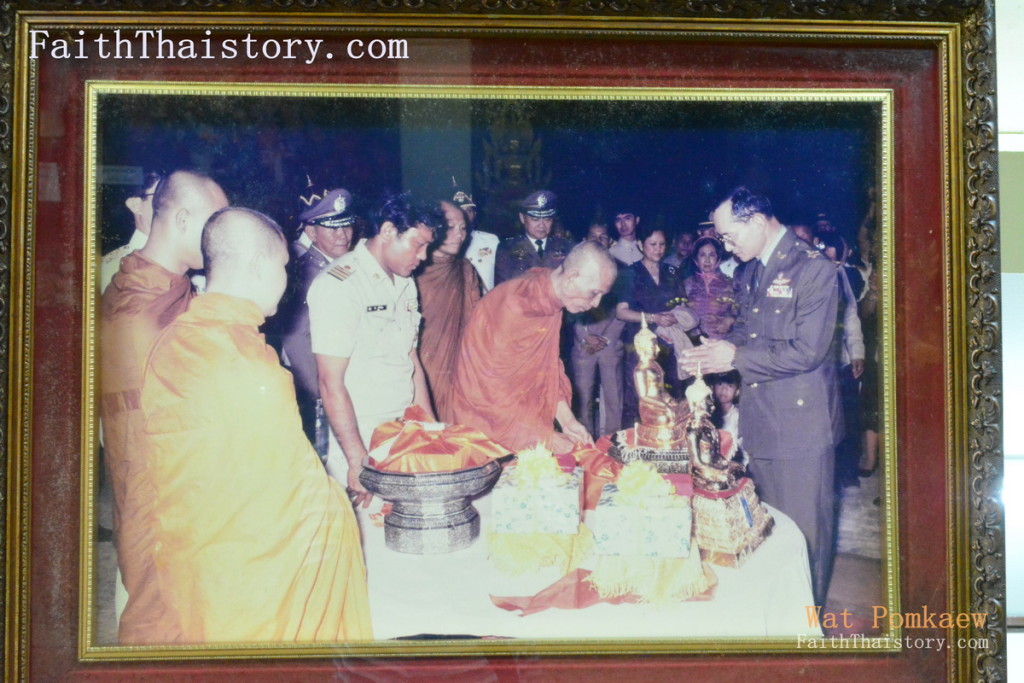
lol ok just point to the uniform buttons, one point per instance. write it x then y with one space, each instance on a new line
754 385
756 310
778 310
753 335
799 401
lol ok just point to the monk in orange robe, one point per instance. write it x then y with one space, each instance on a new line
254 542
148 292
449 290
510 382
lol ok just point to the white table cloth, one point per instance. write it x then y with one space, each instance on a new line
449 595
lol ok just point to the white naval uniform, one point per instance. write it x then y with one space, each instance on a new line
483 246
626 252
357 312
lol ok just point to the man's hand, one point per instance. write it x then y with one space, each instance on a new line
714 355
857 367
594 343
663 319
356 492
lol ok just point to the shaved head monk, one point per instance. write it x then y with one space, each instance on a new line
253 542
510 382
148 292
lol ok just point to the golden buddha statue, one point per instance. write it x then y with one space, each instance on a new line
662 419
710 470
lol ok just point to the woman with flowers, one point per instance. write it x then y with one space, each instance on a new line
709 291
652 288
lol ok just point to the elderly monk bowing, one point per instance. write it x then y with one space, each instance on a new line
510 382
253 541
149 290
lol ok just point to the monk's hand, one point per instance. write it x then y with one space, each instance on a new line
715 355
577 432
356 492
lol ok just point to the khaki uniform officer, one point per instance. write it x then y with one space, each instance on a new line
364 317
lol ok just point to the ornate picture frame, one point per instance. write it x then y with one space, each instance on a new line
937 63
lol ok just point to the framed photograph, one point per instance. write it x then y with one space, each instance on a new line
875 127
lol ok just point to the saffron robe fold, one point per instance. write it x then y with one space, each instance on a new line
254 542
509 377
449 290
141 300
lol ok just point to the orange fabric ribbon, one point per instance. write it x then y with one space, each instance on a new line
598 469
571 591
418 448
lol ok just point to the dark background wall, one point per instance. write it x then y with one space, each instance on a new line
670 161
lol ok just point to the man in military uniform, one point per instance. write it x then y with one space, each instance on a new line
788 297
483 246
328 225
536 247
364 319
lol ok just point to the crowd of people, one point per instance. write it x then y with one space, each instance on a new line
237 407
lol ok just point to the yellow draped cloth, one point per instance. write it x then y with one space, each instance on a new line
253 541
449 289
142 299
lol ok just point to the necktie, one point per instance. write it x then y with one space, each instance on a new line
540 247
755 282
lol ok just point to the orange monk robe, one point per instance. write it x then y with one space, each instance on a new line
449 290
254 542
142 299
510 378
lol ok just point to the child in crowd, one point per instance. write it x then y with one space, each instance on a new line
726 388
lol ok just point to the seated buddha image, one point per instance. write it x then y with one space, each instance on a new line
662 419
711 470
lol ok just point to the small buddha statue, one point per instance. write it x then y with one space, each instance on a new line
662 418
710 470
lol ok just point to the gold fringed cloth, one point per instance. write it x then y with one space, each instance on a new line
661 564
518 553
656 580
419 445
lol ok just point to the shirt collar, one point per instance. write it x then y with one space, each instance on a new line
766 255
376 271
138 240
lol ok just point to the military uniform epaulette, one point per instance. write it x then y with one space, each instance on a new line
341 272
806 249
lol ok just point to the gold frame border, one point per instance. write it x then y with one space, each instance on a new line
975 570
95 90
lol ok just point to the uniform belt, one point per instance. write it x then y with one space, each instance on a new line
120 401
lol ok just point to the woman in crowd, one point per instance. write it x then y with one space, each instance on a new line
652 288
709 291
449 289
